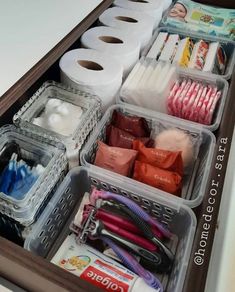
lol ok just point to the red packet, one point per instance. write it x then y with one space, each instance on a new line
116 159
164 159
119 138
165 180
134 125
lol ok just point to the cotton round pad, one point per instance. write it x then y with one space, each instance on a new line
176 140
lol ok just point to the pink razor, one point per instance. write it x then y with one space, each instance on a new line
122 222
132 206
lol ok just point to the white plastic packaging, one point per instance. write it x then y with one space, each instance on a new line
157 46
152 49
150 85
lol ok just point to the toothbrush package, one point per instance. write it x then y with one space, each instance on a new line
183 52
170 47
198 56
191 52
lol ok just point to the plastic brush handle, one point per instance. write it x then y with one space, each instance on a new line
117 225
9 172
141 241
150 258
123 222
130 261
131 205
118 220
167 255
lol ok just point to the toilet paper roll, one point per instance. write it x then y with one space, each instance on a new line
152 7
137 24
93 72
114 43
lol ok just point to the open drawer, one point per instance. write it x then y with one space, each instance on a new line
36 274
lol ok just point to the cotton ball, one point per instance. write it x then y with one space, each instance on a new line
54 119
75 115
63 109
55 122
53 102
51 105
75 110
176 140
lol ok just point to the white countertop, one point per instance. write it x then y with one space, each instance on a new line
29 29
221 277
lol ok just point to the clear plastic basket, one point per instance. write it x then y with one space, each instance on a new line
208 79
194 183
50 154
90 105
179 218
228 45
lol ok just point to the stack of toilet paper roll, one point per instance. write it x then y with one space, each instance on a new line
136 23
111 51
115 43
154 8
94 72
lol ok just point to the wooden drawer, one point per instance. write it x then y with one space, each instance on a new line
36 274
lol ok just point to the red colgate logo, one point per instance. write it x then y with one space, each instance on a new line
103 280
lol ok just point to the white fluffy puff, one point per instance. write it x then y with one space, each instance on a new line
176 140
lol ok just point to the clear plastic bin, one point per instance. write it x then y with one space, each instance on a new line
35 106
194 183
50 154
209 79
179 218
228 45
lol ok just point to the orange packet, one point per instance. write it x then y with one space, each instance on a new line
165 180
165 159
116 159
